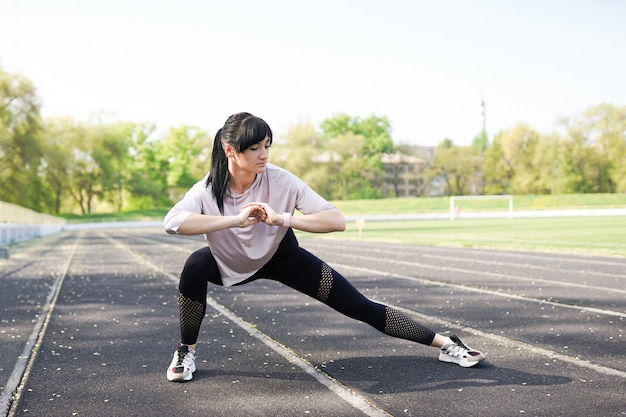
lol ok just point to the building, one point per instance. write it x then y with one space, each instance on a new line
404 175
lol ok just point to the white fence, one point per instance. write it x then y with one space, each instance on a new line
10 213
18 224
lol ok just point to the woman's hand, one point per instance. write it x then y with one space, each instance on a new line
251 213
323 222
268 216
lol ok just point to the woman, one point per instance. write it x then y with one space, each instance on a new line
244 208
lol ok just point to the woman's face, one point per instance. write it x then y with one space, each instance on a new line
253 160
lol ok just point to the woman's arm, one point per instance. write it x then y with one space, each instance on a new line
325 221
198 224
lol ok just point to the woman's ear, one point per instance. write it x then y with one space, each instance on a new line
229 150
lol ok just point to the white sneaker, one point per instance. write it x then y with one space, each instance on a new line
183 364
461 354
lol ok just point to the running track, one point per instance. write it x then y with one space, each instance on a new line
89 322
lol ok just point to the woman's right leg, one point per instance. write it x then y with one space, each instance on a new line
199 269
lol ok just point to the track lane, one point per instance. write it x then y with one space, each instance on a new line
109 342
522 376
577 328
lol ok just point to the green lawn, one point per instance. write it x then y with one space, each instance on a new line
588 235
413 205
442 204
580 235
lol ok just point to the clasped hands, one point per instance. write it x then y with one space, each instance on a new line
257 212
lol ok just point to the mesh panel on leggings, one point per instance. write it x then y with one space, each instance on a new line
191 315
400 325
326 283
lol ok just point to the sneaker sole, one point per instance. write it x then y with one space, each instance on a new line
172 377
461 362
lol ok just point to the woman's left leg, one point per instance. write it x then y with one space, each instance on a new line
306 273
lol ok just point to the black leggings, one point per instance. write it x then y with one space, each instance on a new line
302 271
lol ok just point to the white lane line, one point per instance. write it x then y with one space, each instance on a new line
12 391
515 259
344 392
487 273
503 340
492 262
520 345
506 341
481 290
467 287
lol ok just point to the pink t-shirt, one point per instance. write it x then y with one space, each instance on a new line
240 252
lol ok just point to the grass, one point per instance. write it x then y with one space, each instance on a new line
588 235
411 205
442 204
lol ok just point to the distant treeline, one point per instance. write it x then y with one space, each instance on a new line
65 165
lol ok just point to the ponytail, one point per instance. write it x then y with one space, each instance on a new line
218 176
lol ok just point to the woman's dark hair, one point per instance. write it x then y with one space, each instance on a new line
241 131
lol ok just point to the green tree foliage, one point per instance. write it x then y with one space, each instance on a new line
125 165
458 167
481 142
111 155
181 146
161 168
302 154
596 145
354 147
60 137
548 166
589 158
353 176
84 184
20 144
508 163
147 182
376 131
63 165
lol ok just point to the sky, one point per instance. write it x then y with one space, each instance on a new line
425 65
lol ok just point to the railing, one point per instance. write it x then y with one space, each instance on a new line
10 213
18 224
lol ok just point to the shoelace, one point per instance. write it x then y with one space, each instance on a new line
182 354
457 348
458 342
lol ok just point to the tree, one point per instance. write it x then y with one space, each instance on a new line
162 168
84 172
111 154
375 130
147 170
548 163
59 138
352 176
20 143
458 167
303 155
508 163
481 142
180 147
361 167
598 141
